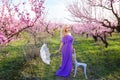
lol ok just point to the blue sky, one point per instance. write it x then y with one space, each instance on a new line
56 11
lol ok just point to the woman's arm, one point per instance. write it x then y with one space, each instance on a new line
61 44
73 48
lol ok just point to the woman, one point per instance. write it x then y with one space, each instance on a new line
66 47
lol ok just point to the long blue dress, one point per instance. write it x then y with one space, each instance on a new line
66 66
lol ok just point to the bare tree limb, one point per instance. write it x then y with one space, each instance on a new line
100 5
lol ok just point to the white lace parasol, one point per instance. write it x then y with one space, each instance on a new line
45 54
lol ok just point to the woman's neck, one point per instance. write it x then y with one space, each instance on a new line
68 33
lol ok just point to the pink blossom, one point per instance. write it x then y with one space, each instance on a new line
11 26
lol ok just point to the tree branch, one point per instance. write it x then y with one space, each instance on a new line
99 5
114 11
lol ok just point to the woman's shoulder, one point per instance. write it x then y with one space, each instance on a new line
68 34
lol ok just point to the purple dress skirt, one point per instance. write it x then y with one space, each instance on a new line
66 66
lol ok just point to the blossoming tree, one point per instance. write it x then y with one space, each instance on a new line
98 17
16 17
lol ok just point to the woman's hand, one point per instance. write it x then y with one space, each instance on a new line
57 51
73 50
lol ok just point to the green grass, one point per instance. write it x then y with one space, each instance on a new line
103 63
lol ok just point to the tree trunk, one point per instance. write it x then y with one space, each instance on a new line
104 40
95 38
118 27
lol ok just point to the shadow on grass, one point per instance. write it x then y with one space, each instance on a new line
103 65
13 63
10 68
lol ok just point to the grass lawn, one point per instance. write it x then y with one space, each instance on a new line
103 63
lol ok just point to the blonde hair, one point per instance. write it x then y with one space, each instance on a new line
63 31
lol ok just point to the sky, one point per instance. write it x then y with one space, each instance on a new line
56 11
